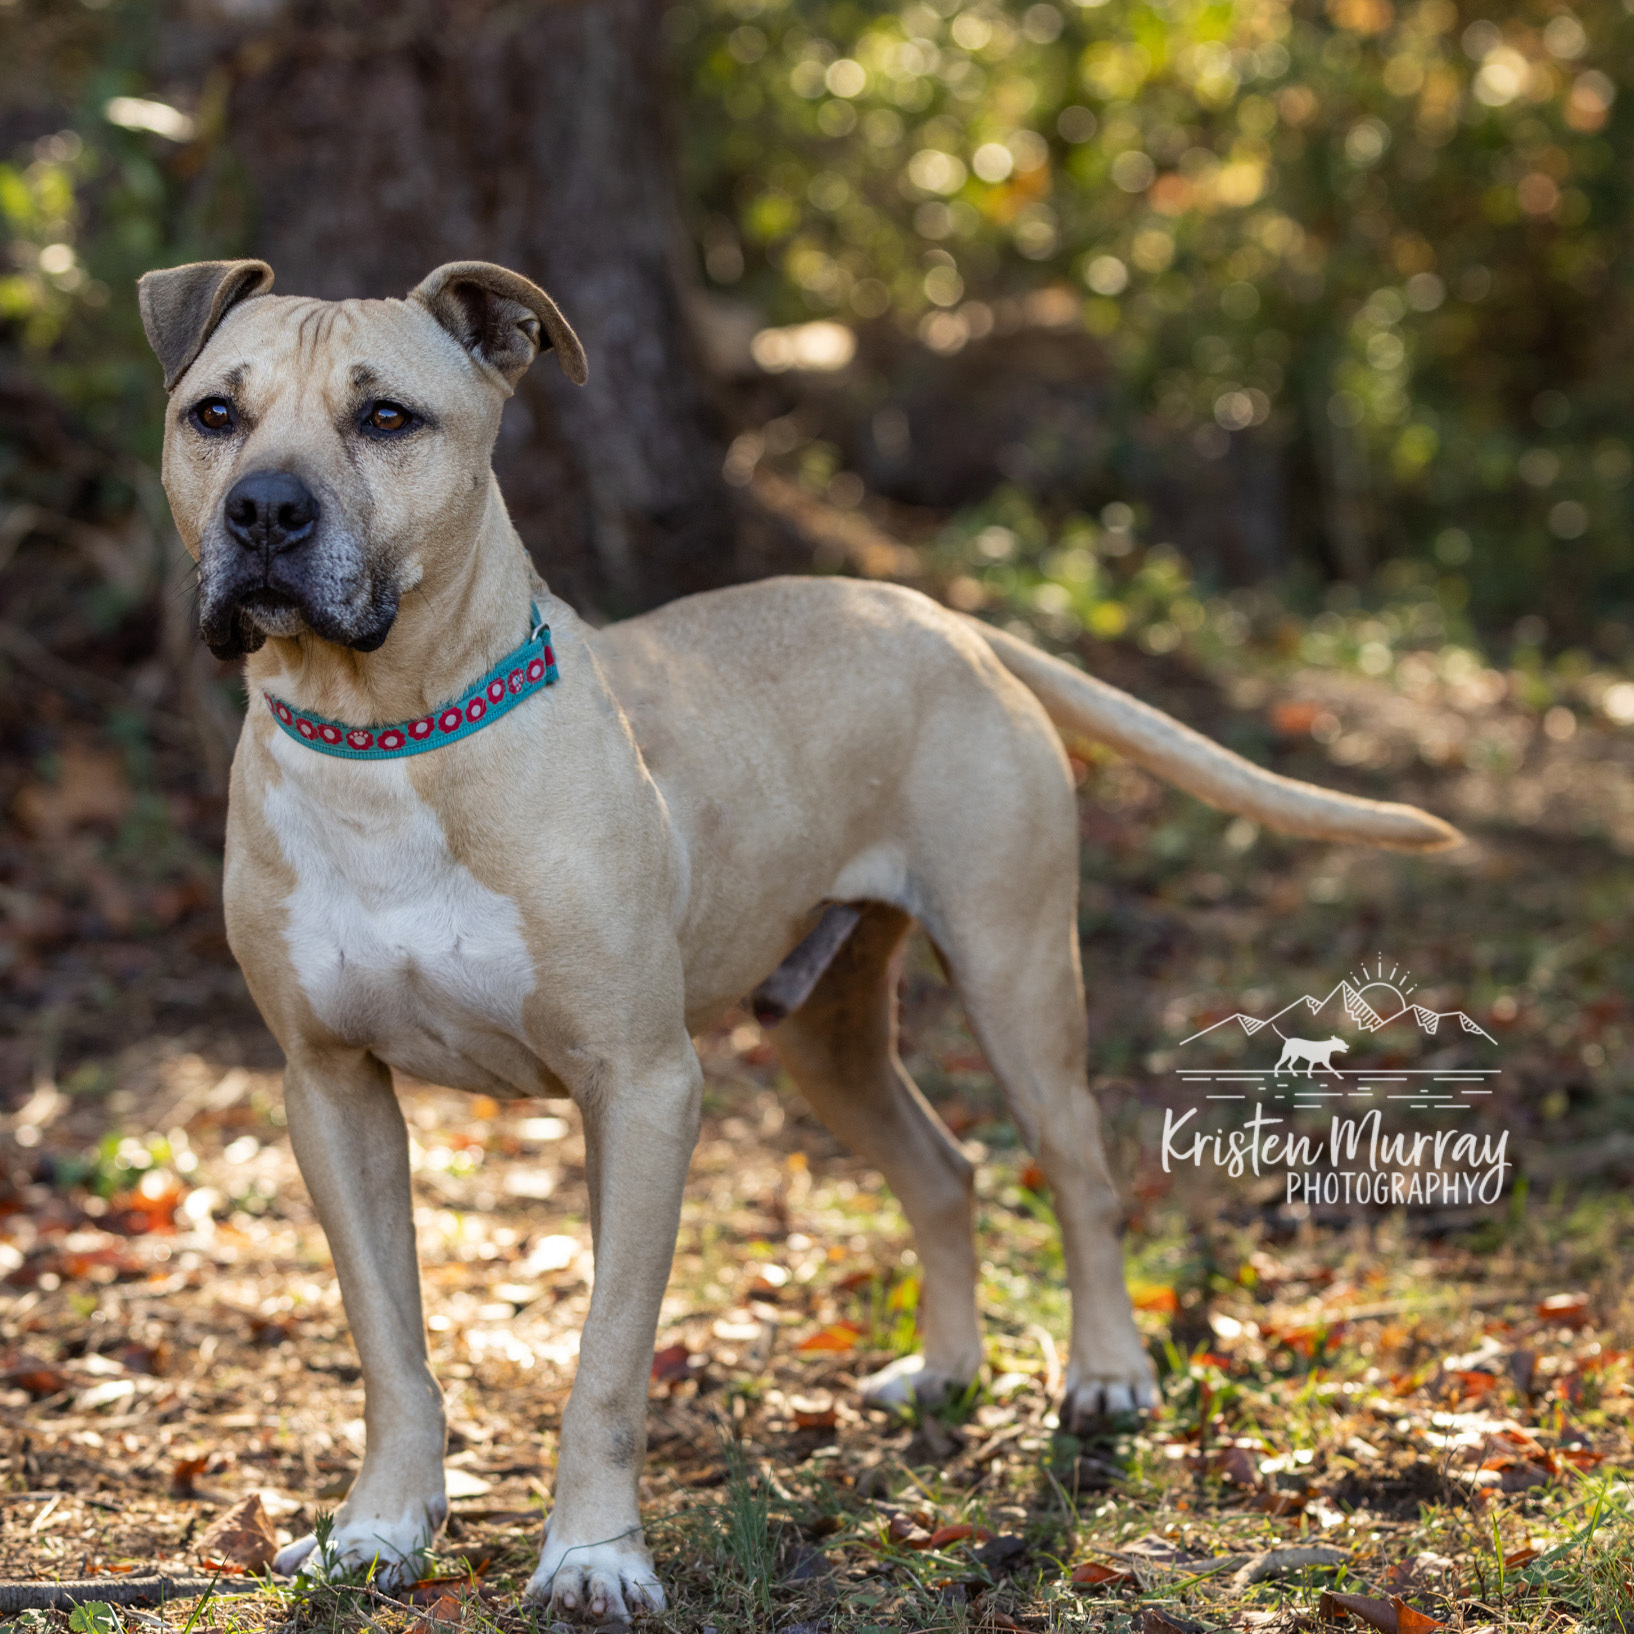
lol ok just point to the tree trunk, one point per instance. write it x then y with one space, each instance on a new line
381 142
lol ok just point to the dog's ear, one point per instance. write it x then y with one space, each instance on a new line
181 306
500 318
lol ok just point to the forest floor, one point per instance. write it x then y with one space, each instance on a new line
1434 1401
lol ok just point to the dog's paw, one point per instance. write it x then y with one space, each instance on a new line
596 1582
1091 1399
390 1551
909 1381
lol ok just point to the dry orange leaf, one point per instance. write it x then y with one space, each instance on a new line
1565 1310
837 1336
185 1474
1519 1557
1096 1574
1294 718
242 1539
670 1363
1155 1297
1392 1616
943 1536
446 1610
1410 1620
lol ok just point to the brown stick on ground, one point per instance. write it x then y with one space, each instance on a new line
116 1591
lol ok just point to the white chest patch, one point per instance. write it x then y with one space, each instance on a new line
397 945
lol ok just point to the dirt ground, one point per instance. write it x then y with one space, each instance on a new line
1435 1401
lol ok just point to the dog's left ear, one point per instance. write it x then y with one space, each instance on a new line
181 306
497 316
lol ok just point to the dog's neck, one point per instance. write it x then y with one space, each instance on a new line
449 629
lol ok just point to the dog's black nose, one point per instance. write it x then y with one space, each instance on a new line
271 512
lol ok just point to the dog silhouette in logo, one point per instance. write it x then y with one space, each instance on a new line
1311 1053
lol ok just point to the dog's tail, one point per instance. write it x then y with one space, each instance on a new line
1082 706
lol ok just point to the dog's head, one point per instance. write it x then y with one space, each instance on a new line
1339 1044
323 458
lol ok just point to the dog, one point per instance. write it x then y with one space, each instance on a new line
534 861
1312 1052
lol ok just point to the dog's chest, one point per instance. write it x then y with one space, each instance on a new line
397 945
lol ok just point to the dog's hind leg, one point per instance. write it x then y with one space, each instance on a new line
999 898
1019 981
840 1048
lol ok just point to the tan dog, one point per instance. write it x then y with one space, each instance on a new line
553 905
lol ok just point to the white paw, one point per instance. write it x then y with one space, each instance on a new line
908 1382
1091 1398
596 1582
390 1549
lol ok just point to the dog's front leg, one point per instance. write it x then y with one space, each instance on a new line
352 1145
639 1138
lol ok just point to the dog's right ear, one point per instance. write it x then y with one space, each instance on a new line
181 306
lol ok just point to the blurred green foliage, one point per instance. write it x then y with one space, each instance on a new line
1389 239
1385 239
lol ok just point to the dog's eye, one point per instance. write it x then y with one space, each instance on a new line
387 417
214 415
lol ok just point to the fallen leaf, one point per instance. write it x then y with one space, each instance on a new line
1096 1575
670 1363
1524 1474
39 1379
856 1279
906 1533
1153 1621
1154 1297
1279 1504
430 1591
998 1552
1410 1620
1581 1457
1235 1465
836 1337
242 1538
1392 1616
185 1474
1293 718
1565 1310
943 1536
445 1611
1159 1550
814 1412
1336 1608
1520 1557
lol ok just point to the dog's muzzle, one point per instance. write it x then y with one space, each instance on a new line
274 569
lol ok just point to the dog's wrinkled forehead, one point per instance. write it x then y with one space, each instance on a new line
289 353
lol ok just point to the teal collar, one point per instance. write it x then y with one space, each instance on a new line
513 680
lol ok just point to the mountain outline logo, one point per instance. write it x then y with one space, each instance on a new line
1309 1073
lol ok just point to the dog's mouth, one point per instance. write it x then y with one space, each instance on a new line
240 605
273 612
